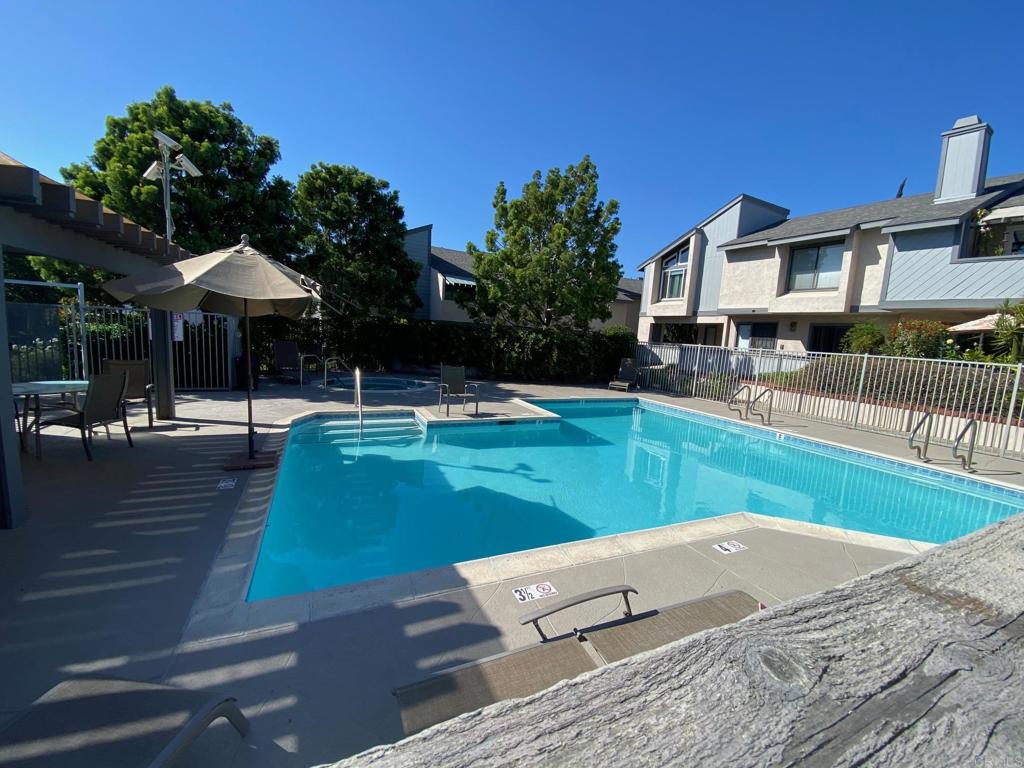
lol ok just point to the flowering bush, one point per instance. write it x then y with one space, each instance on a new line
920 338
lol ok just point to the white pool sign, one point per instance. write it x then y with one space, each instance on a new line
729 547
534 592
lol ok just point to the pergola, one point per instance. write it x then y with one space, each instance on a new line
40 216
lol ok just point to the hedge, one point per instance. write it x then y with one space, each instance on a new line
494 351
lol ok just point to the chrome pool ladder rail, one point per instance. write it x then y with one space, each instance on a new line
922 455
359 399
767 395
966 461
732 403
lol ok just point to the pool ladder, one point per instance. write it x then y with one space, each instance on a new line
767 395
925 422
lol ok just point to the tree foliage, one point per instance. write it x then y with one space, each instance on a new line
352 239
236 193
550 258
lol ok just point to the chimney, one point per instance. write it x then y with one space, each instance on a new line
963 161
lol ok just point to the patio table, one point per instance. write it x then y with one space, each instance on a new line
32 391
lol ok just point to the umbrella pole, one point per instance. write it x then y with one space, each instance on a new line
248 377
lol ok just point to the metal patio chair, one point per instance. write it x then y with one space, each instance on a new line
104 404
140 382
453 384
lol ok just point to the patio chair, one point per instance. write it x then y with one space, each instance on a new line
523 672
626 378
140 382
286 358
104 404
86 722
453 384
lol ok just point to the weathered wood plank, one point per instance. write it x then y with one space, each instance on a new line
921 663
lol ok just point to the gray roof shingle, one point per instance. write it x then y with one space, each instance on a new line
454 263
916 209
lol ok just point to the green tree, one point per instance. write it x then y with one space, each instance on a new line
352 239
864 337
1009 331
550 258
236 193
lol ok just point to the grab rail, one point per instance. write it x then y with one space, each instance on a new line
922 455
535 616
966 461
359 399
732 401
327 364
770 397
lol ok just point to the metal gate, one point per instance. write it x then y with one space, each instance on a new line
46 342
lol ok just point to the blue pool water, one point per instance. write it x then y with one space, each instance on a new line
346 510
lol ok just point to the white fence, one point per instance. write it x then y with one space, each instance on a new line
889 395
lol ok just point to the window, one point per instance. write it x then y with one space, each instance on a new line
756 335
459 292
998 238
827 338
816 267
673 274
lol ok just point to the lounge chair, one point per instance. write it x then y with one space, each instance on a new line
453 384
104 404
140 382
526 671
626 378
88 722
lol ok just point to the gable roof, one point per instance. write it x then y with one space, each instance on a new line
689 233
916 209
459 264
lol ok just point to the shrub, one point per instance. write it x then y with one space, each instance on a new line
919 338
864 338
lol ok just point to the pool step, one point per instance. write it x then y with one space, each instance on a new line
346 431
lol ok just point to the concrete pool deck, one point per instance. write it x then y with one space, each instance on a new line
108 576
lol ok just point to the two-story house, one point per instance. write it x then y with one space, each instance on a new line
446 276
749 276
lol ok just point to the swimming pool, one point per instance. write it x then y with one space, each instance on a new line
380 384
405 498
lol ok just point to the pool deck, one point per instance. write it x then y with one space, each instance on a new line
117 570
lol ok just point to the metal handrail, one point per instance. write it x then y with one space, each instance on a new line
327 364
732 400
926 419
750 406
359 399
968 460
302 365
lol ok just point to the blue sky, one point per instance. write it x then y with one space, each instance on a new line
682 106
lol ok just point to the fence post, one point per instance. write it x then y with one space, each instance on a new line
82 331
1008 424
860 391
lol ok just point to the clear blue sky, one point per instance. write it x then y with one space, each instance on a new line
682 105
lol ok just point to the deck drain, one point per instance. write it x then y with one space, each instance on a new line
729 547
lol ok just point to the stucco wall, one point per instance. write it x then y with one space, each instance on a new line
625 313
869 268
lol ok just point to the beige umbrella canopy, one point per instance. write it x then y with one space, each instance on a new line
232 281
224 281
982 324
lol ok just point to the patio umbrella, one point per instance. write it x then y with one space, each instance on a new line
982 324
238 280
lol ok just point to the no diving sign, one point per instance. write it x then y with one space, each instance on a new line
729 547
534 592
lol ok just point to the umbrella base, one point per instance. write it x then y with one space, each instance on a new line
263 460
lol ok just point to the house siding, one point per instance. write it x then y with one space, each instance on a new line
923 270
417 248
